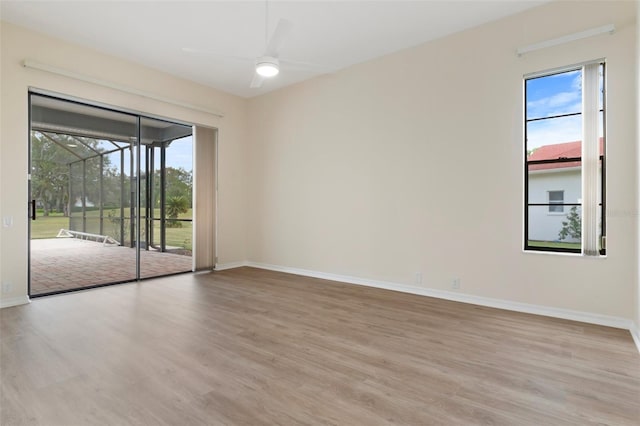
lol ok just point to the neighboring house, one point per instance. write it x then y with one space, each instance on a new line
555 183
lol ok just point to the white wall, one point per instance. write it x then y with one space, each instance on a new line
543 224
637 210
18 44
379 171
413 163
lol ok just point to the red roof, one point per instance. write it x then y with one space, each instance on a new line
557 151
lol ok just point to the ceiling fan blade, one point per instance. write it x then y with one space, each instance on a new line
257 80
278 37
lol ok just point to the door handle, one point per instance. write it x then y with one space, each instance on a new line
33 209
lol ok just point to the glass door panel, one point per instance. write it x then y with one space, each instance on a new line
112 196
166 198
179 196
81 173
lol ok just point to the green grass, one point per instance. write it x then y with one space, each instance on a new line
554 244
176 237
39 213
49 226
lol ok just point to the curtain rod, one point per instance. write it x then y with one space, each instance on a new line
28 63
566 39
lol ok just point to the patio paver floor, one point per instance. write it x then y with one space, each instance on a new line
70 263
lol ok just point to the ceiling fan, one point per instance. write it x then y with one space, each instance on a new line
268 64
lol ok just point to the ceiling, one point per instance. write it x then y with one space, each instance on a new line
331 35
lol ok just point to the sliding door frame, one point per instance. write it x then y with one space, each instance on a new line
135 166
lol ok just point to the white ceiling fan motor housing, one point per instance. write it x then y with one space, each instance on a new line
267 66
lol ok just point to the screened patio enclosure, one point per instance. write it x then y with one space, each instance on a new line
111 196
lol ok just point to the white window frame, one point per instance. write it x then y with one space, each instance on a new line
591 161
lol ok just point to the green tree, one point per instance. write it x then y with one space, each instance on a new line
176 205
572 227
112 185
57 161
49 173
179 182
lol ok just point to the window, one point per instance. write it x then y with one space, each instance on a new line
565 148
556 199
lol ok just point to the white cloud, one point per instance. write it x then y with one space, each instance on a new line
560 103
565 102
553 131
576 83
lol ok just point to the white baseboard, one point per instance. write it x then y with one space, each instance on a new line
580 316
14 301
635 333
231 265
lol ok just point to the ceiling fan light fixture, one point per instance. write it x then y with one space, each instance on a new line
267 66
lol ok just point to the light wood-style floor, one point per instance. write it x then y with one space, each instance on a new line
252 347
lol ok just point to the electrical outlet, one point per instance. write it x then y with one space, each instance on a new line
418 277
455 284
6 287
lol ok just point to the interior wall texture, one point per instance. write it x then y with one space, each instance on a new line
18 44
637 211
413 163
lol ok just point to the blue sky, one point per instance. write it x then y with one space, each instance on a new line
554 95
180 154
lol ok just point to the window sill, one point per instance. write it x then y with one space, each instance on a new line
562 253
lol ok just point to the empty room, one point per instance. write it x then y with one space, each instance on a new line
319 212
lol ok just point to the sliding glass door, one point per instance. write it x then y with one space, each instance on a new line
110 196
166 194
